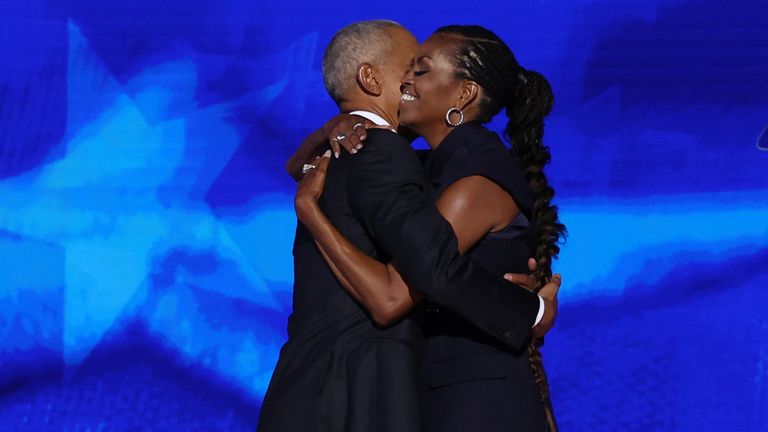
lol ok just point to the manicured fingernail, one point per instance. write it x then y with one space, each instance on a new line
327 154
353 151
336 154
359 146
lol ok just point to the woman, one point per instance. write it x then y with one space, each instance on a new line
497 202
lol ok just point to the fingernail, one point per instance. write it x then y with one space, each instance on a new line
359 146
353 151
327 154
337 155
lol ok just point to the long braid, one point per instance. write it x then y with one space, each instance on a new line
527 96
525 131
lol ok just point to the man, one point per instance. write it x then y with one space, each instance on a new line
338 370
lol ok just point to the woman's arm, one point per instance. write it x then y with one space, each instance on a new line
474 206
309 147
375 285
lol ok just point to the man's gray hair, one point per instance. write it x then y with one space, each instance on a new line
360 42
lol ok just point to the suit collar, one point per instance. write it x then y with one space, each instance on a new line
457 138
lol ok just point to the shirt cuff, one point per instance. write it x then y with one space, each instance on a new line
539 315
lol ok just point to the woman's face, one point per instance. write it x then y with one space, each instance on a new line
429 88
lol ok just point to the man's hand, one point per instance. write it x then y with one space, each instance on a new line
524 280
549 293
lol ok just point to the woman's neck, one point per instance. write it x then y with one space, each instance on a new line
435 137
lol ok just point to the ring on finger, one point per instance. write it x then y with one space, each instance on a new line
341 137
307 168
356 126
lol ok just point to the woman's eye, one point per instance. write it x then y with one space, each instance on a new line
419 73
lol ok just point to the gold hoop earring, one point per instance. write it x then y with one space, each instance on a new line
448 117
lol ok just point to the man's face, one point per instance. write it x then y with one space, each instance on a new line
392 68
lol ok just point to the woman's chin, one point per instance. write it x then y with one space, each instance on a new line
407 117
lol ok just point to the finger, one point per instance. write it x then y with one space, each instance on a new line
322 163
343 130
319 162
516 278
361 132
352 144
335 147
531 265
324 159
549 291
316 175
333 133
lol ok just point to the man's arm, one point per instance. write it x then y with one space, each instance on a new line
388 194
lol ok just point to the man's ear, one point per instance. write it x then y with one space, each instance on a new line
367 80
468 93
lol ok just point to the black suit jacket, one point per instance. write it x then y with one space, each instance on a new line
389 196
338 371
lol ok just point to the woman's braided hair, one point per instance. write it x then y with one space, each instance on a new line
481 56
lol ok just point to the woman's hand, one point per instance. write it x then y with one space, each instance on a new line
311 187
348 131
352 128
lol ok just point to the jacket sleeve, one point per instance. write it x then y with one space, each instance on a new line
389 196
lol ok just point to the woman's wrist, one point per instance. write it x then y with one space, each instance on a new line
306 208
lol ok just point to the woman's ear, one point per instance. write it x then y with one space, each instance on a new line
468 94
367 80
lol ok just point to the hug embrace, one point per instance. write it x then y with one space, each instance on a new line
422 282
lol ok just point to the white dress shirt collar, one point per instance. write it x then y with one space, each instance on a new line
377 119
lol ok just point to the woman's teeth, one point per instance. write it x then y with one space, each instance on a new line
407 98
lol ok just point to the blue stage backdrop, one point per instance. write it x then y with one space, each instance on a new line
146 222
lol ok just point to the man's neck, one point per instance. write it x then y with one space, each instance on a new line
371 107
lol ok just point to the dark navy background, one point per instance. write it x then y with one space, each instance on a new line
146 222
